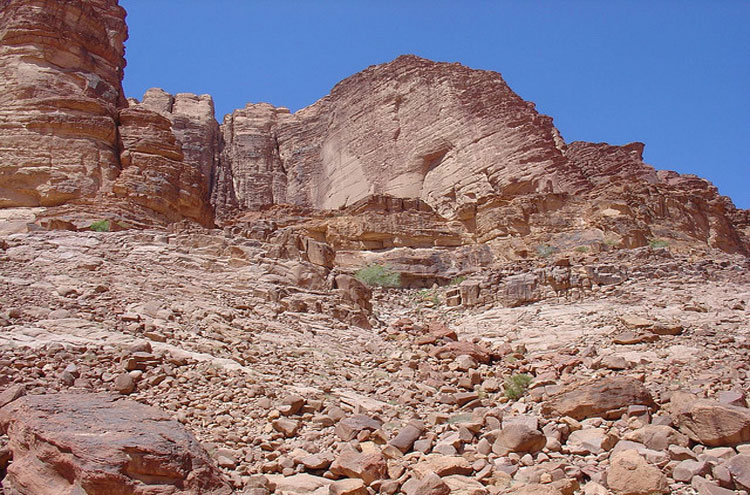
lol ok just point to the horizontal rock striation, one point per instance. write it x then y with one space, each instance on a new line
488 168
61 64
463 143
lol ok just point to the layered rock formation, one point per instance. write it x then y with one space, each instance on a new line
61 64
464 144
485 167
67 136
443 133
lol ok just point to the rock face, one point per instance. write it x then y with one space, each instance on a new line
61 64
462 143
67 136
157 174
95 444
443 133
452 154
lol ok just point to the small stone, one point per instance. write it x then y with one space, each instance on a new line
124 384
409 434
286 426
686 470
348 486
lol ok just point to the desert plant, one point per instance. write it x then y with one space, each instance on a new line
100 226
582 249
457 280
378 276
515 387
545 250
658 243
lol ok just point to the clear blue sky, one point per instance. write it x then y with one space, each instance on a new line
673 74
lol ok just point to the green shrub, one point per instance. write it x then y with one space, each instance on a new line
545 250
378 276
582 249
100 226
457 280
658 243
516 386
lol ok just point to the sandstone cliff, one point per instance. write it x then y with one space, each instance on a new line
464 144
471 162
443 133
61 64
68 140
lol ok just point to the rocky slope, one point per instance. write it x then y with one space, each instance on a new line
278 375
569 320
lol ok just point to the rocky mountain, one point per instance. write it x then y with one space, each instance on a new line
458 140
414 285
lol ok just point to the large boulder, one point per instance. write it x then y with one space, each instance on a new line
630 474
605 397
710 422
65 444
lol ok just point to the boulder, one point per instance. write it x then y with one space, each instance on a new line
452 350
519 437
631 474
605 397
97 444
710 422
739 468
365 466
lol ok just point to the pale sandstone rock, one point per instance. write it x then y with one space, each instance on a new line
710 422
631 474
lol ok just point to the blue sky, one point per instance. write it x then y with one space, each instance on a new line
673 74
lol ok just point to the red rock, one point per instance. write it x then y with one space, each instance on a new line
348 428
97 444
11 393
61 64
606 397
407 436
710 422
452 350
154 173
630 474
367 467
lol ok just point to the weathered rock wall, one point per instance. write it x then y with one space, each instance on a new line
61 63
154 172
67 136
469 148
446 134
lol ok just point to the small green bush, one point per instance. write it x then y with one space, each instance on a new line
658 243
582 249
457 280
516 386
378 276
545 250
100 226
